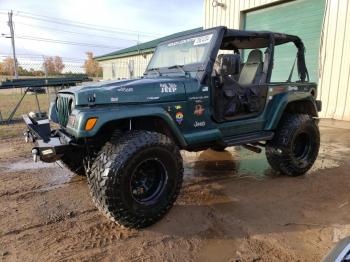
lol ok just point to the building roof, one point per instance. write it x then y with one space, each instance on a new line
146 47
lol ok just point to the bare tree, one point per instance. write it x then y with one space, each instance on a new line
53 65
59 66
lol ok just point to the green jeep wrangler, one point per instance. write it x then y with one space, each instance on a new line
204 90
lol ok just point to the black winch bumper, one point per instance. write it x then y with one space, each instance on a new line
50 145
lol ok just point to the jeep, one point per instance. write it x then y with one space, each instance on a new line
212 89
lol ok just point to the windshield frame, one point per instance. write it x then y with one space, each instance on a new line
193 67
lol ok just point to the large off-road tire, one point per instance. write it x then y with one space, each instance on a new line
295 146
135 179
73 160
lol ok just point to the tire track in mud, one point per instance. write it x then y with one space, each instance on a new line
96 237
55 220
35 190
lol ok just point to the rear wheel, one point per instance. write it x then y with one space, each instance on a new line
136 178
295 145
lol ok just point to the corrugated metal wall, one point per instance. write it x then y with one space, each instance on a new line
334 81
119 68
230 14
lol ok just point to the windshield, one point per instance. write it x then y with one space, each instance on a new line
192 50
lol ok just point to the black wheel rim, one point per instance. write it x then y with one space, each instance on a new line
148 181
302 146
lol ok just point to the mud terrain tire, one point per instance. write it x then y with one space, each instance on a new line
136 178
295 146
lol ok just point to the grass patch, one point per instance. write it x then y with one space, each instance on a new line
12 130
9 101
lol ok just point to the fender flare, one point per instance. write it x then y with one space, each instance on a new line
298 105
113 114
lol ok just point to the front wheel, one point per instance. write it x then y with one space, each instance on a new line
295 146
136 178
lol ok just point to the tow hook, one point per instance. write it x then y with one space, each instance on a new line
35 154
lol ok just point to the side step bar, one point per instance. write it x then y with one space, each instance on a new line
248 138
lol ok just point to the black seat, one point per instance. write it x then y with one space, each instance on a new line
253 69
227 65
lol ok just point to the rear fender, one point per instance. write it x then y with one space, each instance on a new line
290 104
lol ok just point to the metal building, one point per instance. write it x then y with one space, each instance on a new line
324 26
132 61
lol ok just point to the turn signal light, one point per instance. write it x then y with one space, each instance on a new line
90 123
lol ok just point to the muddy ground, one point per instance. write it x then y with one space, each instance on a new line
231 208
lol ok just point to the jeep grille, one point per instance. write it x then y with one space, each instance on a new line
63 108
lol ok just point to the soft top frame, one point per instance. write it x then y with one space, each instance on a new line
258 39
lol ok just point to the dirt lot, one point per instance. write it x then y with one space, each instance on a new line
232 208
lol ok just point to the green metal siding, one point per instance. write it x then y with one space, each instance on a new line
301 17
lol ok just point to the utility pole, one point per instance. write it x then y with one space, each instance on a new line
10 24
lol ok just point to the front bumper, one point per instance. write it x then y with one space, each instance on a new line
50 145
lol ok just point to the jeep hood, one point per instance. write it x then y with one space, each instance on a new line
143 90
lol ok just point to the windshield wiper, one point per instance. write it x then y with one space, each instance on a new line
181 67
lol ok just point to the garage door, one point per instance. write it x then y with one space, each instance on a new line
301 17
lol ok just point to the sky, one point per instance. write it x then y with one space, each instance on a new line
118 24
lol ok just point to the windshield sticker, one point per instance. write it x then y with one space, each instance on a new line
198 97
125 89
179 117
199 124
198 110
293 88
203 39
205 89
168 87
152 97
114 99
200 40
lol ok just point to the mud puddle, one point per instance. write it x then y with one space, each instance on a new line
241 163
27 165
217 217
234 161
53 174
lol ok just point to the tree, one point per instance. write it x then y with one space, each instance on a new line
59 66
7 66
91 66
53 65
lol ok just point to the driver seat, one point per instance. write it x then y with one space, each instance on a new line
252 70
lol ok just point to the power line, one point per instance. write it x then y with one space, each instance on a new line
82 25
57 41
41 58
74 32
87 24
